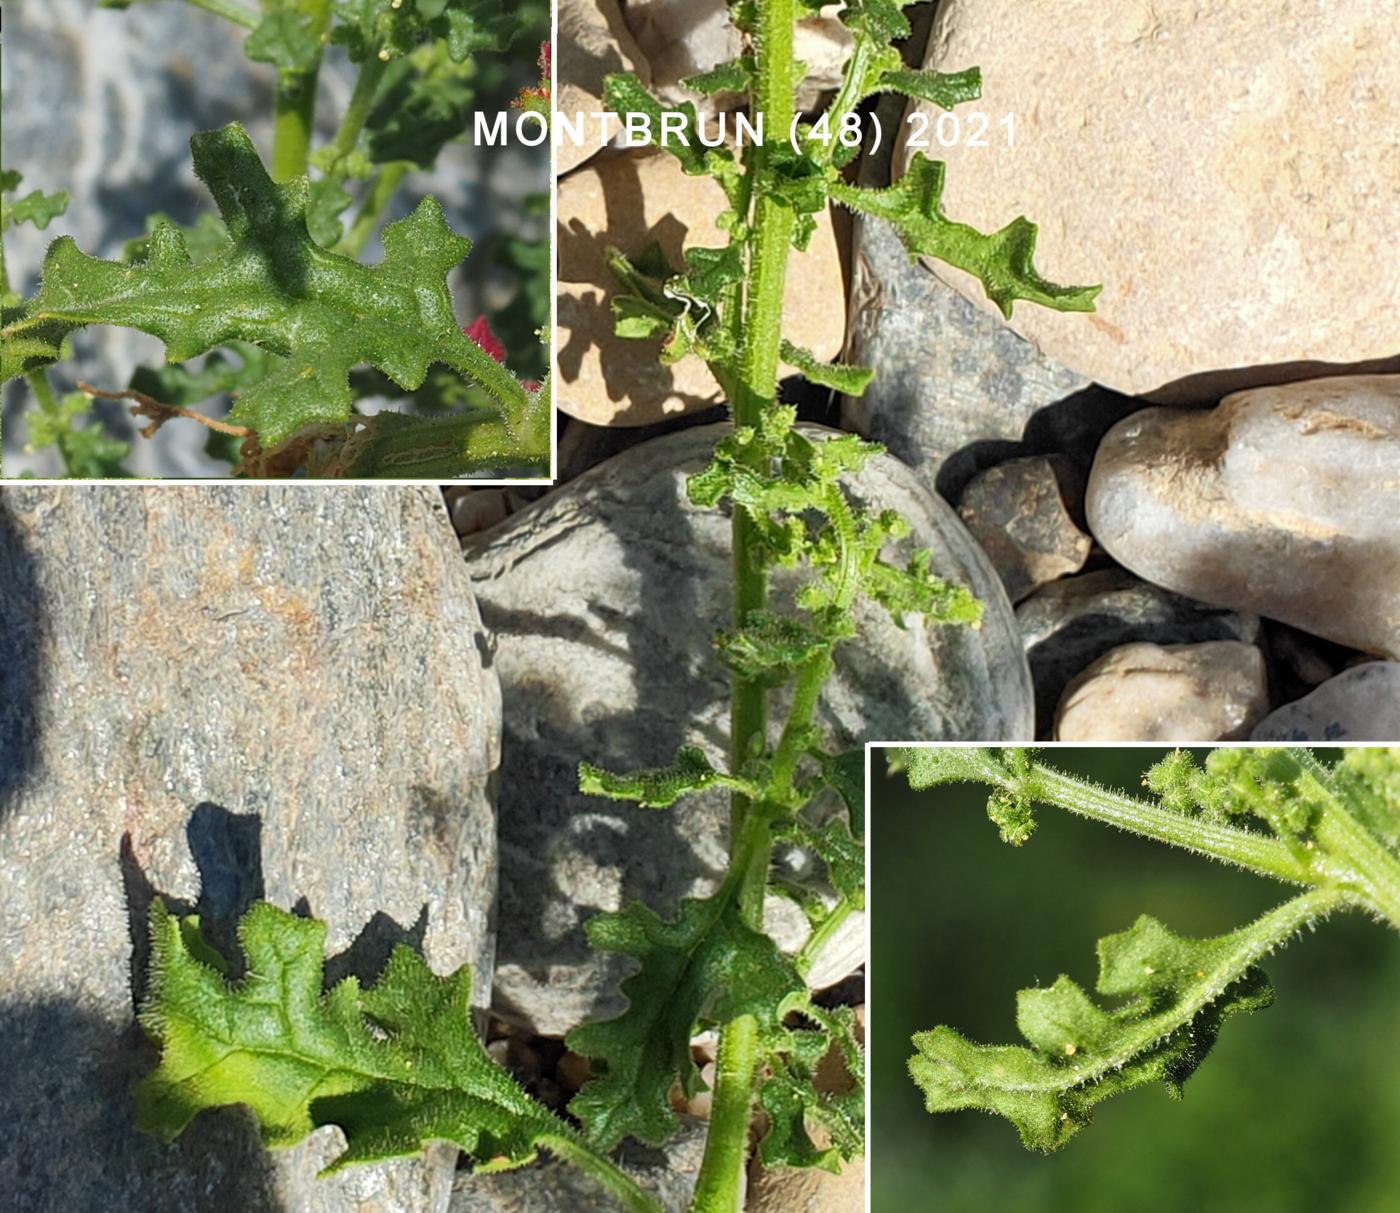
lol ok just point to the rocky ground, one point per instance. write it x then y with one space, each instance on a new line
1188 499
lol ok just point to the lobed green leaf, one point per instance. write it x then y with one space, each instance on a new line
848 380
705 966
655 787
272 287
1002 261
1177 993
394 1066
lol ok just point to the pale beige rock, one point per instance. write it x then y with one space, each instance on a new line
1282 501
593 41
1216 691
1227 171
630 201
809 1191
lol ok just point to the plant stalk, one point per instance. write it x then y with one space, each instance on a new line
720 1188
348 134
296 103
1254 852
629 1193
720 1185
380 192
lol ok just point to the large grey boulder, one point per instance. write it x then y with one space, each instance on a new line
604 599
216 694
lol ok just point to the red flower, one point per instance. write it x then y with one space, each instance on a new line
479 330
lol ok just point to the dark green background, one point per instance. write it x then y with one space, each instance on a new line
1296 1110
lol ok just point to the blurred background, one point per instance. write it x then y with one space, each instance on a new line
1296 1110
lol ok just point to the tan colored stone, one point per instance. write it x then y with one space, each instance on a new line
1282 501
593 41
630 201
809 1191
1226 170
1216 691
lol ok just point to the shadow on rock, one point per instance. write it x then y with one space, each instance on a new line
68 1133
68 1136
22 630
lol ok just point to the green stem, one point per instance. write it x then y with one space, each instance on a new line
296 103
381 190
720 1188
43 391
348 134
1255 852
1366 865
841 911
629 1193
230 10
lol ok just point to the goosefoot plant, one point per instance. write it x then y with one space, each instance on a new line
296 328
713 967
1332 831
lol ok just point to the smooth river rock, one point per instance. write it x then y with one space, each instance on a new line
603 599
1359 704
219 694
1072 622
630 201
1216 691
1282 501
1211 163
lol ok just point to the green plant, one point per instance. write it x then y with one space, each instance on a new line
715 967
1331 830
272 287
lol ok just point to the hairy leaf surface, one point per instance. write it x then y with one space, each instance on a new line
1002 261
273 287
706 965
395 1065
1176 992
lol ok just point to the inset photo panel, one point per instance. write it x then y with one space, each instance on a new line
1108 978
293 239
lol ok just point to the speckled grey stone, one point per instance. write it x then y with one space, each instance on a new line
1072 622
555 1187
603 599
223 693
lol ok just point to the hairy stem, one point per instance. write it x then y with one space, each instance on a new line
381 190
348 133
1365 863
829 926
43 391
1255 852
720 1188
296 103
629 1193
